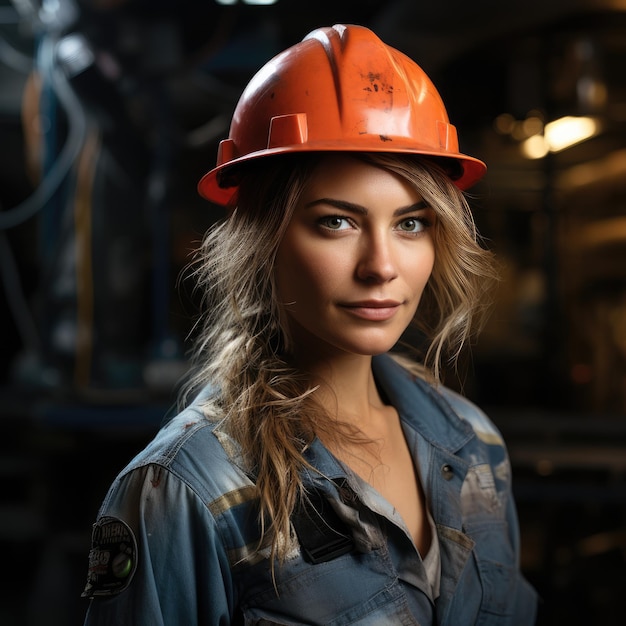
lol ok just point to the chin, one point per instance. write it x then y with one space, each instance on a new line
373 348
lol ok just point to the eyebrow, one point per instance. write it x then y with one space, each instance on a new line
361 210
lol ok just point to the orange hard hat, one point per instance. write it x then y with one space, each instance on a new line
340 89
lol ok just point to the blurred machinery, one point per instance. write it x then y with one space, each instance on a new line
554 208
102 142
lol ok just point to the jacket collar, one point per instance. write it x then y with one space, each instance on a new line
421 405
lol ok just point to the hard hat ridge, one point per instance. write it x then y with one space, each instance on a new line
340 89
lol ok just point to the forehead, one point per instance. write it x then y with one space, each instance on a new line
349 177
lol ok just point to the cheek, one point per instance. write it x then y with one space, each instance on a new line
309 271
421 268
429 265
299 275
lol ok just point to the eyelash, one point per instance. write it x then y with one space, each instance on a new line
424 221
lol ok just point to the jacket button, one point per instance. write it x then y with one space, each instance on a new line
447 472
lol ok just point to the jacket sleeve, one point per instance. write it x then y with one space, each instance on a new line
156 557
525 603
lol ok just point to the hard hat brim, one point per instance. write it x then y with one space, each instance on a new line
211 188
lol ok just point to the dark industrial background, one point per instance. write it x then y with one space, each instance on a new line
110 110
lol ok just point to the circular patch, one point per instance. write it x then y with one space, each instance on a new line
112 558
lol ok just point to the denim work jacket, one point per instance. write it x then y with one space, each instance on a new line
176 539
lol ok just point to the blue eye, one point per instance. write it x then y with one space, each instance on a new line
412 225
335 222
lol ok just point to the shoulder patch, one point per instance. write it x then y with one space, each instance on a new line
112 558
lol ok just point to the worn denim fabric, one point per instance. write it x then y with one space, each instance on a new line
175 542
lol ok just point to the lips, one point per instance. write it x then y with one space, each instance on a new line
373 310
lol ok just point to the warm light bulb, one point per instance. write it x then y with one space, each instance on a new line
558 135
569 130
534 147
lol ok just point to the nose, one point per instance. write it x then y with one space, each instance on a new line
376 259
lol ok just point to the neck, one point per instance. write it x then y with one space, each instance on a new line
347 389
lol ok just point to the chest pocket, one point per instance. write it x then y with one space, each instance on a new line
488 593
387 606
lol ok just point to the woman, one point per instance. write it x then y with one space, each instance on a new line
314 478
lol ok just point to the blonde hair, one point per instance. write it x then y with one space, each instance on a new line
264 403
